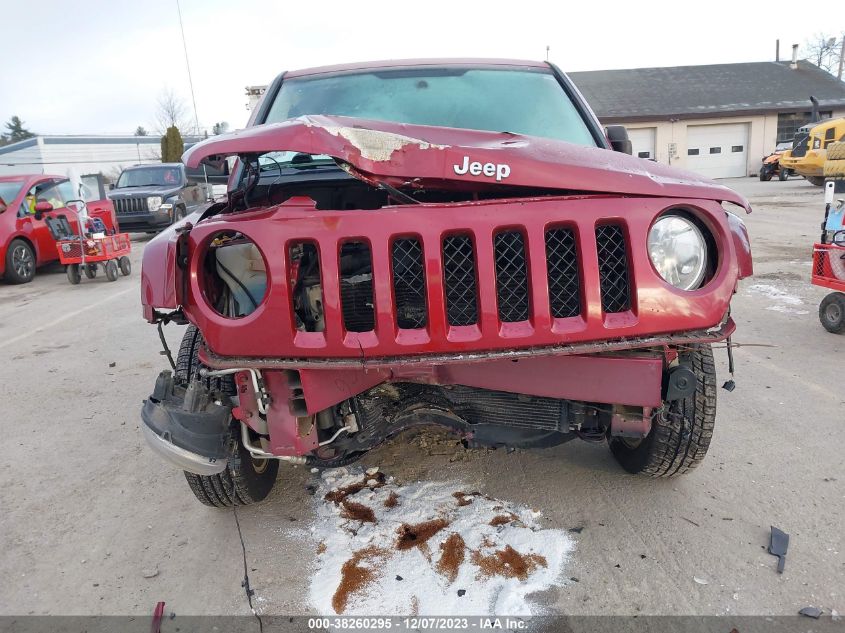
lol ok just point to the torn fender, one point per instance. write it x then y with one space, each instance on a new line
400 154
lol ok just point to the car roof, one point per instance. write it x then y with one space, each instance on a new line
148 165
26 177
403 63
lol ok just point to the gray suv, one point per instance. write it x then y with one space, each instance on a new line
150 198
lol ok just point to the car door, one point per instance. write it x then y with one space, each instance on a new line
93 192
35 228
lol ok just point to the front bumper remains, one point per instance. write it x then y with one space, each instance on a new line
187 426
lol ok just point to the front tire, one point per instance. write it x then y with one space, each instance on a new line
111 270
818 181
680 431
245 480
125 266
20 262
783 174
73 274
832 312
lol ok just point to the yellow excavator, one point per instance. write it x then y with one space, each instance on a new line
809 149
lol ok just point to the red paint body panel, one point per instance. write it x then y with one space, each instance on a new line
35 231
270 332
593 378
285 435
426 156
410 63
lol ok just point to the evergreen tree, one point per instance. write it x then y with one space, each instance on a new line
15 131
172 146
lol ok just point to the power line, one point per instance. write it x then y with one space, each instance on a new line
188 65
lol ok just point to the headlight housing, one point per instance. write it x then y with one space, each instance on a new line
154 203
678 251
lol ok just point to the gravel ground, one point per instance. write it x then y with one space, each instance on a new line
94 523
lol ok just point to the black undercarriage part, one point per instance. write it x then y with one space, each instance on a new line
482 417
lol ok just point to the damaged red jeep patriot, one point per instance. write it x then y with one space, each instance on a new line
437 242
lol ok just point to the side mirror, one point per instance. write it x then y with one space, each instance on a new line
618 137
111 186
839 238
41 208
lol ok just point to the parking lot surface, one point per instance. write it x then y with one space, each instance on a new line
94 523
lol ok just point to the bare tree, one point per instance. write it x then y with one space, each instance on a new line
171 111
823 51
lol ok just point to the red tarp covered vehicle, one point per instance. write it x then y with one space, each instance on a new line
438 242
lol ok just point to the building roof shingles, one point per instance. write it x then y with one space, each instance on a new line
706 91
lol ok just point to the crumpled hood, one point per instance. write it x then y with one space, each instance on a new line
400 154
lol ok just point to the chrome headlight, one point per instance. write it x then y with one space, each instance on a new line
154 203
678 251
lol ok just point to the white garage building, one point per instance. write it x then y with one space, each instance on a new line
719 120
65 154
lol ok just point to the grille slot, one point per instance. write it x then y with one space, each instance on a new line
613 268
356 287
459 279
511 277
130 205
562 272
409 283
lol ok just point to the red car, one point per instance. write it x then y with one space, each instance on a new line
28 205
438 242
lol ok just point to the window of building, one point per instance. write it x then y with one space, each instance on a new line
692 151
643 154
715 150
789 122
736 148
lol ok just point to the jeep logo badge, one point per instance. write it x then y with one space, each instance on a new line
500 171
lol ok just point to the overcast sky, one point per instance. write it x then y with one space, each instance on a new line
97 67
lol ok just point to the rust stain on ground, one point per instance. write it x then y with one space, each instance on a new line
416 535
508 563
357 511
321 547
465 498
354 576
392 500
339 494
452 556
502 519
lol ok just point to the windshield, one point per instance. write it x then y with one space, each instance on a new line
150 177
8 192
521 101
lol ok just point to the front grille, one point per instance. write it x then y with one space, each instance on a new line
511 277
562 272
130 205
409 283
613 268
459 279
356 287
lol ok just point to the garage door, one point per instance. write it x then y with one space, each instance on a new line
642 140
718 151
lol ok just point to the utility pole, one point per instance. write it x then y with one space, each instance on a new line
841 57
549 47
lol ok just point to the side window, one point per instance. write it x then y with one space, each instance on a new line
65 189
28 203
50 192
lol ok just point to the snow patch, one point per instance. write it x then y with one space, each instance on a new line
785 301
427 548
